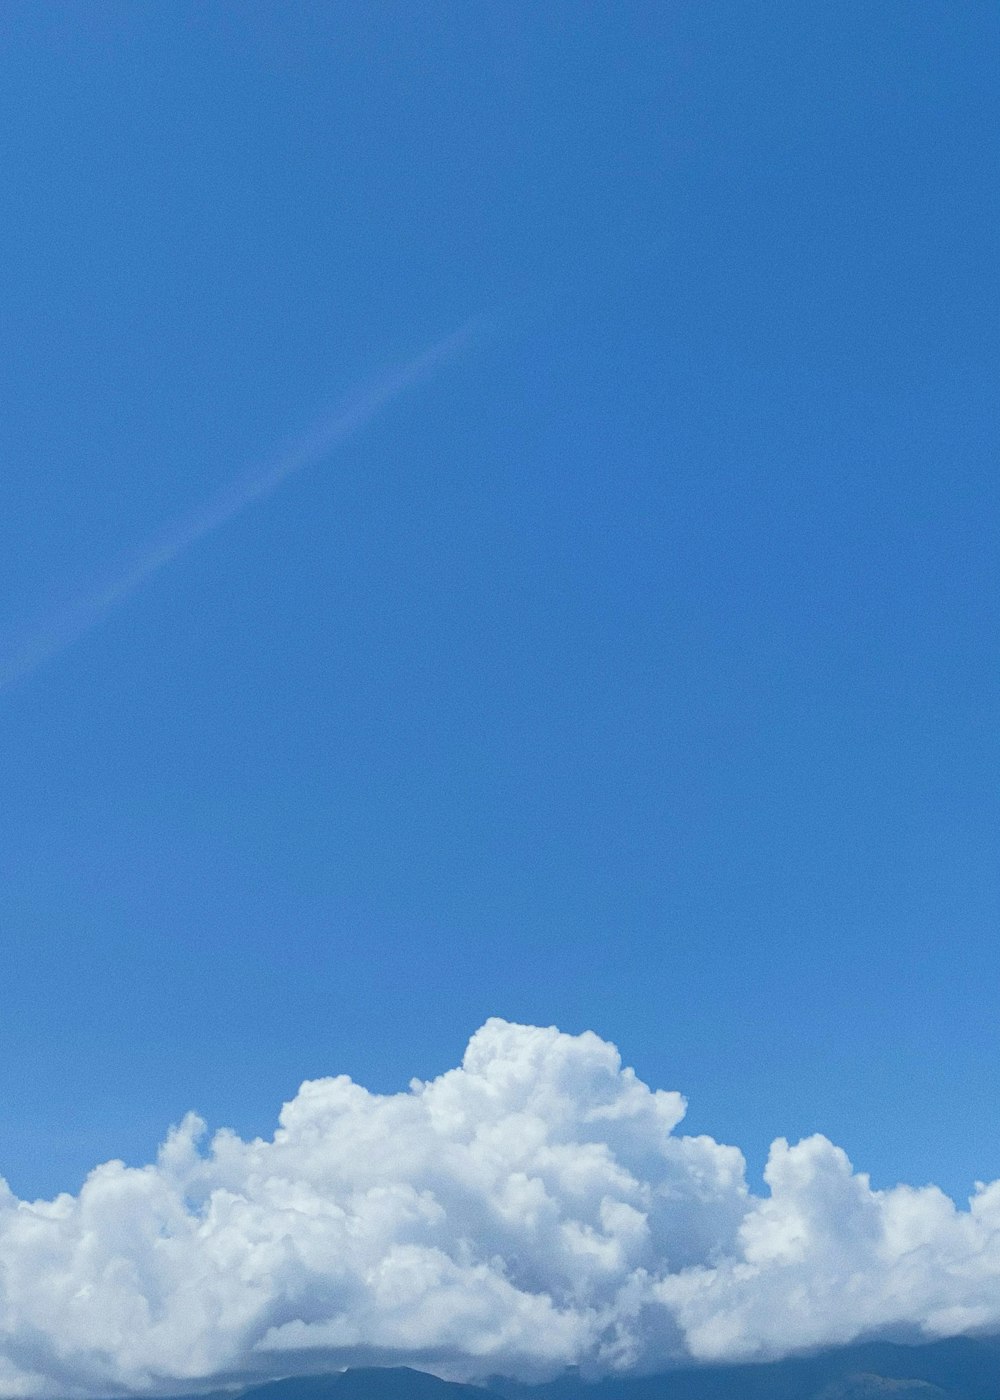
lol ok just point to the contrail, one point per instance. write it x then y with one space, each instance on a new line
84 613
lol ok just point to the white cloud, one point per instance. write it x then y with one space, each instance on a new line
531 1209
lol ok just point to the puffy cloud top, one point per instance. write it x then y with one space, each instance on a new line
532 1209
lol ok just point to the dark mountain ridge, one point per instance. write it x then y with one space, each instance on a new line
959 1368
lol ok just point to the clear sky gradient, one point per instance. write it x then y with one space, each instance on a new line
637 670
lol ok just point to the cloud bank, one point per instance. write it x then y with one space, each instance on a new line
534 1208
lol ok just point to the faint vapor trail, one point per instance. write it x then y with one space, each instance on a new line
80 616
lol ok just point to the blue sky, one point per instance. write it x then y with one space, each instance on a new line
634 671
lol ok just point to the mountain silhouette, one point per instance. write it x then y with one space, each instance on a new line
960 1368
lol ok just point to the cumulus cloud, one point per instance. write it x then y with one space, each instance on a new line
532 1209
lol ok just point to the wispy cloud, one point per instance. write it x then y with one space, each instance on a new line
74 621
